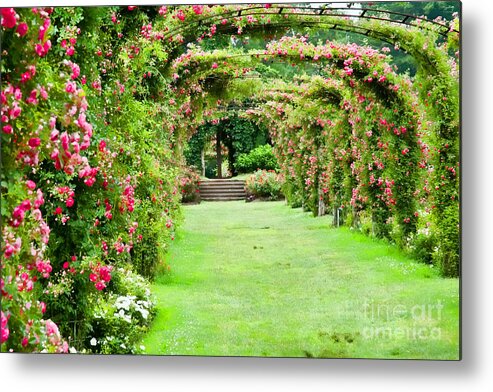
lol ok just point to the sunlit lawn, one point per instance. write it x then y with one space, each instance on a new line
263 279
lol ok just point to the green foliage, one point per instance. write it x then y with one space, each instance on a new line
145 253
423 247
429 9
261 157
447 252
197 143
245 135
293 193
238 134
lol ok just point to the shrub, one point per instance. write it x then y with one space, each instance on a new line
265 184
447 252
292 193
422 246
261 157
189 185
119 318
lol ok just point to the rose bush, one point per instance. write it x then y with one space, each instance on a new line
189 185
81 172
264 184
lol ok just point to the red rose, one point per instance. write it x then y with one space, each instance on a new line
9 19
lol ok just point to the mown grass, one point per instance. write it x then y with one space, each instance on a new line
261 279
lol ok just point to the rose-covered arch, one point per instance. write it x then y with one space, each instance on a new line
364 76
189 24
437 78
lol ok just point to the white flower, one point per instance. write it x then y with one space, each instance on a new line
72 350
94 342
144 313
121 314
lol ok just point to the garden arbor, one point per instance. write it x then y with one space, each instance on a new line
422 116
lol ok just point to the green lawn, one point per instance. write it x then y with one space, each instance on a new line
263 279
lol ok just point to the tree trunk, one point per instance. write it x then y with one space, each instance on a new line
321 204
202 161
219 155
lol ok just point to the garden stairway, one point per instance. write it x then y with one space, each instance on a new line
222 190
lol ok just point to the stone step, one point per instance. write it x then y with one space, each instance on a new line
236 185
222 190
210 188
222 198
226 190
231 194
221 187
222 184
229 190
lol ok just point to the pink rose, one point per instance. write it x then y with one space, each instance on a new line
7 129
70 87
90 182
198 9
51 328
15 112
22 29
5 331
180 15
43 93
40 50
25 77
34 142
54 135
43 29
9 18
26 205
70 202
